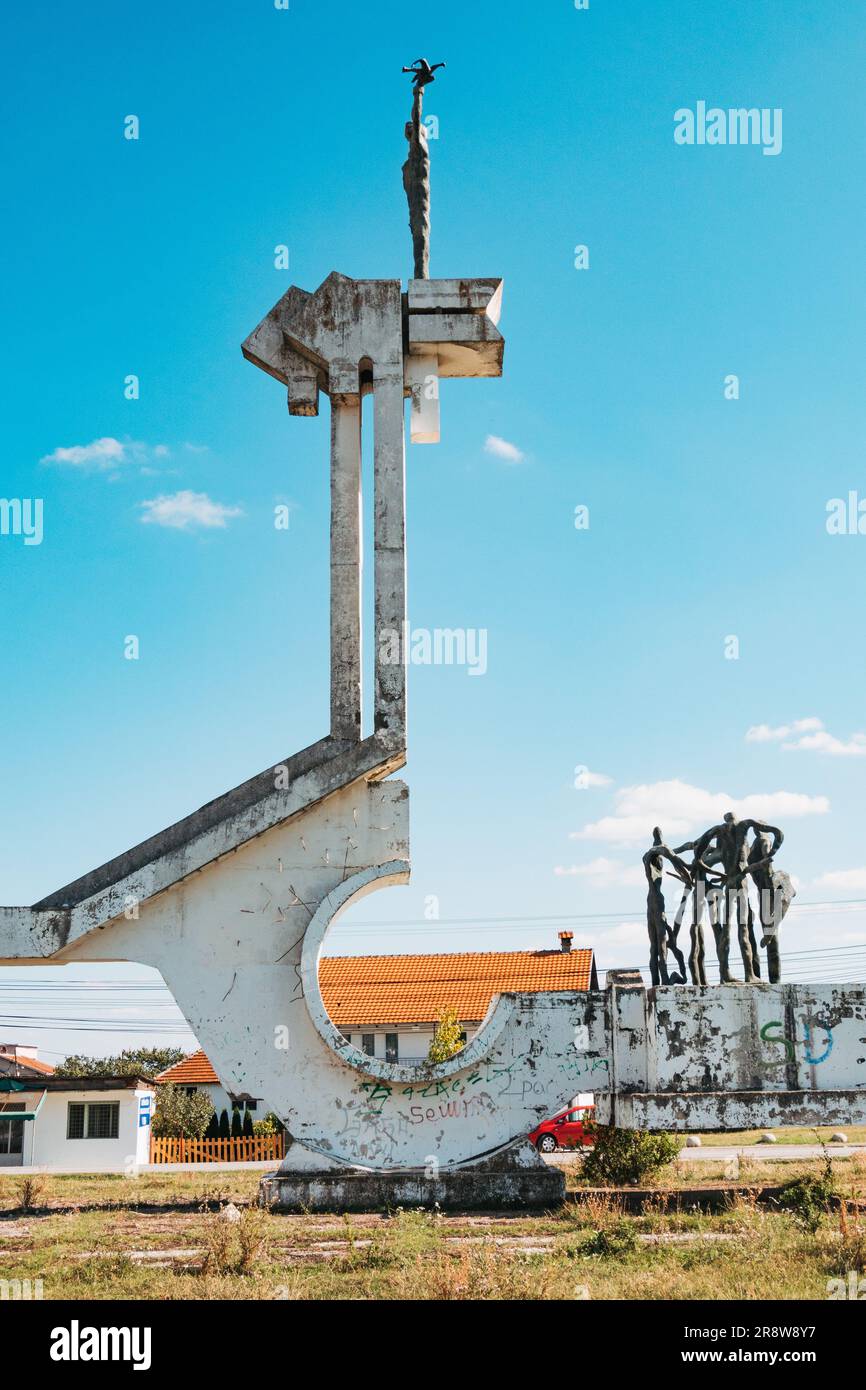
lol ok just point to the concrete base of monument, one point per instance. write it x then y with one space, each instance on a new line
514 1179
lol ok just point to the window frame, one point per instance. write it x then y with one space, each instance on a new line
87 1107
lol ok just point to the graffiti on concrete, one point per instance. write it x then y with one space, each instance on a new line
790 1044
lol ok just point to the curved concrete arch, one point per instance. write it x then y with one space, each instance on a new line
327 913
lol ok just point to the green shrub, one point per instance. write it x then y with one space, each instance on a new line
807 1199
610 1241
628 1156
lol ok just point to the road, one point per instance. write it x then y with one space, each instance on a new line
724 1153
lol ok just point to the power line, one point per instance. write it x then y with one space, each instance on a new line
435 924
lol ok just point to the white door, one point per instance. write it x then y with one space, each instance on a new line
11 1140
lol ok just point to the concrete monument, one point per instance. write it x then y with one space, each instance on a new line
233 903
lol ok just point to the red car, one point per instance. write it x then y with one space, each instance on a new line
564 1131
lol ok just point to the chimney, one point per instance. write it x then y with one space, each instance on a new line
565 939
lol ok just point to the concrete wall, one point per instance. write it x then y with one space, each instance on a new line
733 1056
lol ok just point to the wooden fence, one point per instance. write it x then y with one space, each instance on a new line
247 1149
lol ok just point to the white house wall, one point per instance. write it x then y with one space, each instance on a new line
45 1139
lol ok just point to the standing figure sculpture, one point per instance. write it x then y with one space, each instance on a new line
416 170
657 923
725 844
706 889
722 862
776 892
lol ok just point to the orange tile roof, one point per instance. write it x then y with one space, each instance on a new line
194 1070
34 1064
28 1063
359 990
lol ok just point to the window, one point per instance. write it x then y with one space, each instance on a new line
11 1136
368 1044
390 1047
92 1120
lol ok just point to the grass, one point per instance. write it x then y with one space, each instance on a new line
157 1237
708 1171
856 1135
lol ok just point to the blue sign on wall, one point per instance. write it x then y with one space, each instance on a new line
143 1120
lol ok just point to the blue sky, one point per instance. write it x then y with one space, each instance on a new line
606 647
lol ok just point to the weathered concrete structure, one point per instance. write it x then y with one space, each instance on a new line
233 903
729 1057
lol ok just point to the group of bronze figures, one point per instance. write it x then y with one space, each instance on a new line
724 862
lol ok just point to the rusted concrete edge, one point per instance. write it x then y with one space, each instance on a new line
217 828
699 1111
26 933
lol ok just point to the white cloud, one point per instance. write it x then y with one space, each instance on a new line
824 742
621 946
183 510
808 735
604 873
853 879
107 455
583 778
99 455
677 807
501 449
762 733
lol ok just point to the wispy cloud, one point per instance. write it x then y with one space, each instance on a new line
584 778
502 449
185 511
808 735
763 733
677 807
604 873
98 456
106 455
853 880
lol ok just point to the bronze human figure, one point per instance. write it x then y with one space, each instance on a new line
416 170
657 923
706 890
723 860
776 892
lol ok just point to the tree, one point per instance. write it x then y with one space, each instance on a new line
237 1127
179 1114
270 1124
133 1061
448 1037
248 1125
225 1127
213 1129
